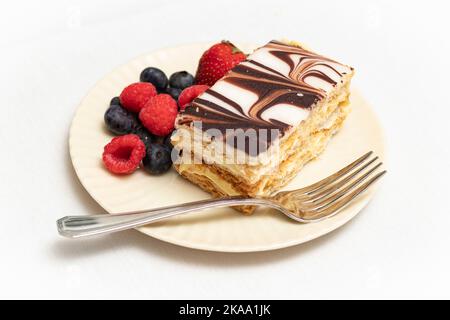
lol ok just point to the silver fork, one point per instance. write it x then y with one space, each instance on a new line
313 203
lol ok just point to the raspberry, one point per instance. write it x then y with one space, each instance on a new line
159 114
189 94
136 95
124 154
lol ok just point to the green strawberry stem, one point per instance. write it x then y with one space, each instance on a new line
233 47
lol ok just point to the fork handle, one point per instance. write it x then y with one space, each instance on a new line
91 225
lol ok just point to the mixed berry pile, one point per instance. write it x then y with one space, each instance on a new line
143 115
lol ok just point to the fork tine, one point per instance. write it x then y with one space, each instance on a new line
334 209
333 177
329 190
329 200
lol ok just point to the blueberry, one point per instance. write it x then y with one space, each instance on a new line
155 77
120 121
158 140
181 80
164 141
174 92
115 101
158 159
167 142
145 135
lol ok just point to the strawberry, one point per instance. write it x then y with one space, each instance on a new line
217 61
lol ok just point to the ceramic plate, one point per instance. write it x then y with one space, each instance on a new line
219 229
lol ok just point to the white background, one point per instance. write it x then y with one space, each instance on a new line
52 52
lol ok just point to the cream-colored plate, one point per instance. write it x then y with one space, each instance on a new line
220 229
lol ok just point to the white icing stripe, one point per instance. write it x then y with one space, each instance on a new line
307 66
286 113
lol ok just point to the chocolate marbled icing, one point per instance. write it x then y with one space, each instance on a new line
278 79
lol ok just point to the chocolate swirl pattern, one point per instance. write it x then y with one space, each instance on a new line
275 88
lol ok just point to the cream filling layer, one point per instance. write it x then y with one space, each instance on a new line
221 185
